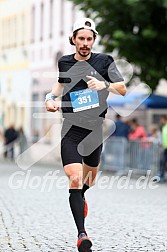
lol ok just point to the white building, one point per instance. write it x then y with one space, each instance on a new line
34 34
51 25
14 64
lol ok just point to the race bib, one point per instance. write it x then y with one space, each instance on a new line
84 99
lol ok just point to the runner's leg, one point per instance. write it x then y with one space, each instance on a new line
74 172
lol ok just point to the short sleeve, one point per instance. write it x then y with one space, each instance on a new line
61 68
113 73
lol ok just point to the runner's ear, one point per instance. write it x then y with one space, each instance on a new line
73 40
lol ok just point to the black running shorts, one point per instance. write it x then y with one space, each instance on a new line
80 145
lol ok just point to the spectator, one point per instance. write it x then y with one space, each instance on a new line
122 128
1 143
116 145
1 136
156 149
10 136
155 134
137 131
164 144
22 140
139 150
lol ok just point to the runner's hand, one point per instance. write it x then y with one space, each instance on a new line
95 84
52 106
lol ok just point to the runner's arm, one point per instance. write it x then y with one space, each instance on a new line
115 87
51 104
57 89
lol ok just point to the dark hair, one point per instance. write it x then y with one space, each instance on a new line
75 34
135 121
117 116
164 117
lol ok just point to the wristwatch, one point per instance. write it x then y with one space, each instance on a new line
107 83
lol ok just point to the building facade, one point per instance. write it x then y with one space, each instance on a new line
14 64
34 35
51 25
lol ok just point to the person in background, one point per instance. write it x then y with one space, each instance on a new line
155 134
137 131
138 146
116 145
1 143
1 136
122 128
164 145
10 137
155 139
22 140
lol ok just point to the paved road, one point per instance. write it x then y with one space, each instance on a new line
35 215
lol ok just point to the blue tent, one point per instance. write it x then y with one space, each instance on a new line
156 101
147 101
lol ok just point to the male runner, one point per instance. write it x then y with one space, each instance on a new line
85 80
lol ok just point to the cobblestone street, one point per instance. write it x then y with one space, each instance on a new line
35 214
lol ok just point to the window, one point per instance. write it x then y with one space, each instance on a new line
51 19
62 18
23 28
8 33
2 35
5 32
42 18
33 24
35 83
35 121
15 31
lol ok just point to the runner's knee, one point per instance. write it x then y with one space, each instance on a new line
75 181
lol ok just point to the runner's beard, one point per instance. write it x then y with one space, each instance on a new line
84 54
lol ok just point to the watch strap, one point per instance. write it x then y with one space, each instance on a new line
107 83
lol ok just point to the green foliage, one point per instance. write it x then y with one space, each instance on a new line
137 29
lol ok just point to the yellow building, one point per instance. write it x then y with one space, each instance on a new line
14 63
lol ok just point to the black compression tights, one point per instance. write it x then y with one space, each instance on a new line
77 208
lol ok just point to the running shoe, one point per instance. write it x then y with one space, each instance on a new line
84 244
85 208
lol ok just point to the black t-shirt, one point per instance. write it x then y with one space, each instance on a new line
72 75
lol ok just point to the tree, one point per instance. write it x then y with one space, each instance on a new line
137 29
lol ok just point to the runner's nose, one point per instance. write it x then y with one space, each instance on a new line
85 42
